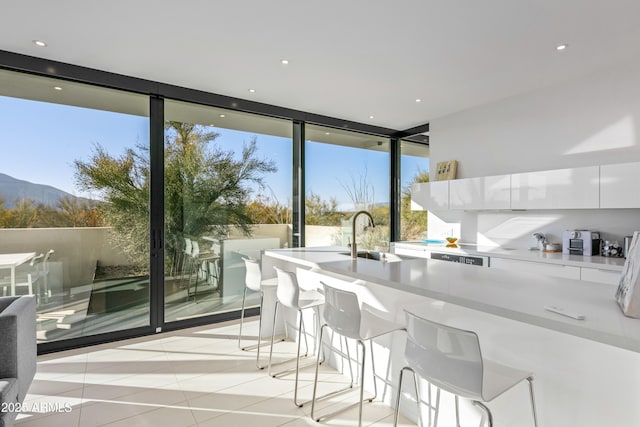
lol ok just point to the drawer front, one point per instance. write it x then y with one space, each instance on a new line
555 270
411 252
600 276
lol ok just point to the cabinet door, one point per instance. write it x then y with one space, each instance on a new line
430 196
544 269
601 276
497 192
620 185
419 196
574 188
466 193
487 192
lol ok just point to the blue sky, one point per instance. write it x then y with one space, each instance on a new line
41 140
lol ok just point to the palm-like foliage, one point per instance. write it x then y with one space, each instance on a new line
207 189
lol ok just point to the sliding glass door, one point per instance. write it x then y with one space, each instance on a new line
227 180
74 204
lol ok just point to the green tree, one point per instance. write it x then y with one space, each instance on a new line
206 188
413 224
74 212
321 212
24 214
269 210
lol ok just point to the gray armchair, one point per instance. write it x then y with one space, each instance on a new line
18 351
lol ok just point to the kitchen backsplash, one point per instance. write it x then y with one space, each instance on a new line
515 228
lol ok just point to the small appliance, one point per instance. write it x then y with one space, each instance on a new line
581 242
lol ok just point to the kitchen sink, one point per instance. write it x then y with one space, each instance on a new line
374 255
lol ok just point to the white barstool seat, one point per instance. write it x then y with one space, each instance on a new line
289 295
450 358
253 282
343 315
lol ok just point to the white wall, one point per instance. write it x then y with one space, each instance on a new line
588 121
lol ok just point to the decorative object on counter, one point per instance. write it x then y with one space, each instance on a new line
553 247
452 242
580 242
612 249
541 241
446 170
628 294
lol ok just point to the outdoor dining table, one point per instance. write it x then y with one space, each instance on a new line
11 261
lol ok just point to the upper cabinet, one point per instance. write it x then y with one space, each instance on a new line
487 192
419 196
430 195
574 188
620 185
591 187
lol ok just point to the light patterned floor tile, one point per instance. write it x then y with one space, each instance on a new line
189 378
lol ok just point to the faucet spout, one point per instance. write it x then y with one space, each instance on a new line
354 246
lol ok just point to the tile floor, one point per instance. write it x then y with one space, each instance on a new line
193 377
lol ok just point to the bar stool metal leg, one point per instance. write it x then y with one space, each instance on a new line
486 410
244 298
533 401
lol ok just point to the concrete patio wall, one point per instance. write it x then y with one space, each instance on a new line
77 249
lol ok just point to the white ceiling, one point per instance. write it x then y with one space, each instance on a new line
349 59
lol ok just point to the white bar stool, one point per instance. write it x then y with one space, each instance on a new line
450 358
253 282
343 315
288 294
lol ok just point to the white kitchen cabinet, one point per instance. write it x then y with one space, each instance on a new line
487 192
419 196
601 276
417 253
544 269
620 185
430 196
574 188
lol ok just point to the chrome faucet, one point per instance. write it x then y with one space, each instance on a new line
354 247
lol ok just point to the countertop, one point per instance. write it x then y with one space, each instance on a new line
512 295
599 262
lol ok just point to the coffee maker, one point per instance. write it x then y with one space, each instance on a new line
581 242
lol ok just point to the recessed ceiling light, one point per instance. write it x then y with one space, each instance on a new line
418 100
39 43
327 133
562 46
57 88
371 117
221 116
252 90
284 61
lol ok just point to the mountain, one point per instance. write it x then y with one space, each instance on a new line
12 189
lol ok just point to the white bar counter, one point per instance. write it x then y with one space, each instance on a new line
587 372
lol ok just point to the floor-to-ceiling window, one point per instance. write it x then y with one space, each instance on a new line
414 166
345 172
227 180
86 251
74 204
